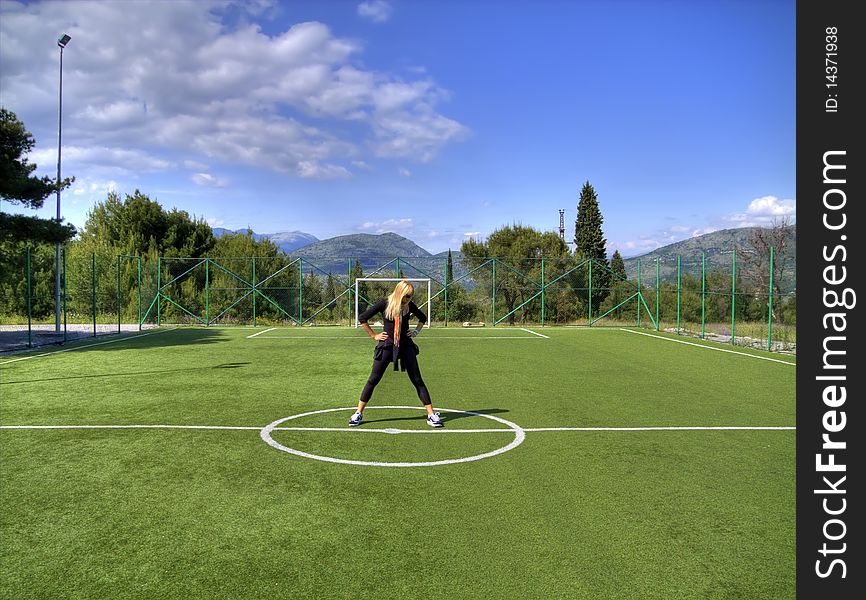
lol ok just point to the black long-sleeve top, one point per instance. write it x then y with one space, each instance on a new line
388 326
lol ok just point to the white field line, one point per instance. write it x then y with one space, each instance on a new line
131 337
659 337
392 430
261 332
535 333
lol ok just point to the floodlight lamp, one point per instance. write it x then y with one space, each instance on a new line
64 39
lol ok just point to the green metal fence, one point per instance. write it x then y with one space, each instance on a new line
748 302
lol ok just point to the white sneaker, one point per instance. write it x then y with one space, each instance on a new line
434 420
356 419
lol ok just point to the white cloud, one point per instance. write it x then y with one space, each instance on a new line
190 83
102 158
208 180
770 206
403 171
89 188
471 233
762 212
377 11
401 226
311 169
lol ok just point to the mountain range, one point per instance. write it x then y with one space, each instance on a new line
287 241
374 251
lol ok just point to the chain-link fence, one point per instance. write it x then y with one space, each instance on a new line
749 302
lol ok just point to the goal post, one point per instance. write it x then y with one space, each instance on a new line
425 305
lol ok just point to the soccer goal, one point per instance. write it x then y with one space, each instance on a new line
420 284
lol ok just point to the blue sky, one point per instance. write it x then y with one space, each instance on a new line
435 120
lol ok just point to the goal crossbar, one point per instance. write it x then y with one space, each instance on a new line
424 307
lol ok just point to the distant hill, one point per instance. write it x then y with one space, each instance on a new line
363 245
373 251
717 248
287 241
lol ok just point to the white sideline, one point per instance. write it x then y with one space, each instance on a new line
660 337
392 430
366 338
86 346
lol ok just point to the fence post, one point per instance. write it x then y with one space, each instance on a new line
589 297
207 292
493 320
658 292
351 289
64 296
542 291
158 291
733 291
703 293
29 301
254 291
119 309
138 259
770 311
639 293
301 291
445 292
678 294
93 289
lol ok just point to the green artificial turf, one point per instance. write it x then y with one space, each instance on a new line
218 513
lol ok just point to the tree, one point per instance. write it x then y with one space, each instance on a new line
590 242
617 266
519 249
18 186
756 259
138 226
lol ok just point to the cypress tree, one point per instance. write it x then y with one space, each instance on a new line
617 265
590 243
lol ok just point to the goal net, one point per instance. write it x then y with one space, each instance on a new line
369 290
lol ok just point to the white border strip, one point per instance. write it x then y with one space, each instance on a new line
659 337
260 332
534 333
131 337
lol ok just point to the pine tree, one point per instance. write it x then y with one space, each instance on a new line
590 243
449 268
19 186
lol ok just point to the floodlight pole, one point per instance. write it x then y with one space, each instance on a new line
61 43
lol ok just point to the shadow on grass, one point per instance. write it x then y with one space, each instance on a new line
128 374
148 338
447 417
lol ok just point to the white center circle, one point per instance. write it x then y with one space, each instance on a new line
519 436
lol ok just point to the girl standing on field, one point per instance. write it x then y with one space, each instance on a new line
396 347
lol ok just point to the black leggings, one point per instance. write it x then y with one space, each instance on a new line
409 362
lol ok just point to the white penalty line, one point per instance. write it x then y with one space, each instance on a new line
660 337
392 430
260 332
535 333
123 339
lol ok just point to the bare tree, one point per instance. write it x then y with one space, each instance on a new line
756 258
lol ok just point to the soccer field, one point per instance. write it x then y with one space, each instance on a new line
574 463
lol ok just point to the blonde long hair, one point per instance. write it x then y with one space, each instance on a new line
395 299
